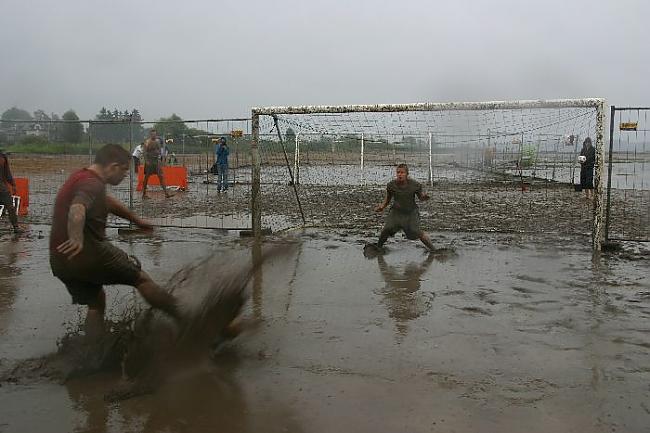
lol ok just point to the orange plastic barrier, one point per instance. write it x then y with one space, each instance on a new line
22 190
175 175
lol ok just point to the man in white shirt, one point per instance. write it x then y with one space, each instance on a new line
137 154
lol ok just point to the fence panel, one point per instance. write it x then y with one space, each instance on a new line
628 182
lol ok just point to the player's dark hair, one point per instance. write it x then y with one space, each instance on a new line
404 166
587 141
112 153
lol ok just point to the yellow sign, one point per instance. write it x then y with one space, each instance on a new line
628 126
236 133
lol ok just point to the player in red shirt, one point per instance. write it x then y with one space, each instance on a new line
81 256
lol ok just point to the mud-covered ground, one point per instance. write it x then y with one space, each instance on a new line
496 333
337 196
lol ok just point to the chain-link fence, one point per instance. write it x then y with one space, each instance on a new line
38 153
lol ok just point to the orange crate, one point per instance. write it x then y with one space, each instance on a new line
175 176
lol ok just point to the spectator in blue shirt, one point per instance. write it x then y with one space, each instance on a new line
222 152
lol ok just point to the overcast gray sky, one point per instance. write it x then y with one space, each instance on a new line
201 58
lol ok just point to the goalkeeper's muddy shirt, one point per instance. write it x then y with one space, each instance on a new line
404 195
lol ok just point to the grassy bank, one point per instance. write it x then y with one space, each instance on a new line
86 148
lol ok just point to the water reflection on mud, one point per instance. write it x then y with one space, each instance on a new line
209 397
402 295
9 272
501 333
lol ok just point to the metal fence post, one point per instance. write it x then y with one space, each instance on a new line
362 149
609 170
90 142
256 206
295 160
430 159
131 172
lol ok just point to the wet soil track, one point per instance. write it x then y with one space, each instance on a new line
491 203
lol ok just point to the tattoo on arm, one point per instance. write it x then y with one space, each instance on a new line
76 221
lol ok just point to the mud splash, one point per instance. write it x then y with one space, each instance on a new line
144 346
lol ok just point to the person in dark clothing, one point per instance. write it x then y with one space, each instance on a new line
404 213
587 163
222 152
7 190
81 256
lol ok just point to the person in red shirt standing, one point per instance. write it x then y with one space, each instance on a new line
81 256
7 190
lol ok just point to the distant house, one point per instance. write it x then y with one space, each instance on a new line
36 130
13 132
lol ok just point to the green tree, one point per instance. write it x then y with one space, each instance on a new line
172 126
100 131
138 130
72 130
15 113
15 130
115 126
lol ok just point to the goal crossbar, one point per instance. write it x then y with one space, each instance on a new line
432 106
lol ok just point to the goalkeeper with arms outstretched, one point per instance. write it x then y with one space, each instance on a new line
404 213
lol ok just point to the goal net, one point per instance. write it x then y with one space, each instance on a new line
488 166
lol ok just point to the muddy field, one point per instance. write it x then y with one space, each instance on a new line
498 333
512 326
340 196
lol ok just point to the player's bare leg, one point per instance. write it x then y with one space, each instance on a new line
13 217
383 237
238 326
144 185
8 203
94 325
156 296
426 241
163 186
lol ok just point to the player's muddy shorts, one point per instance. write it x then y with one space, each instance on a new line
152 167
99 264
409 222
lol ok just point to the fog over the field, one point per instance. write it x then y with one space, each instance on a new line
201 58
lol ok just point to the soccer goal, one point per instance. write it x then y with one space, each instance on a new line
504 166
